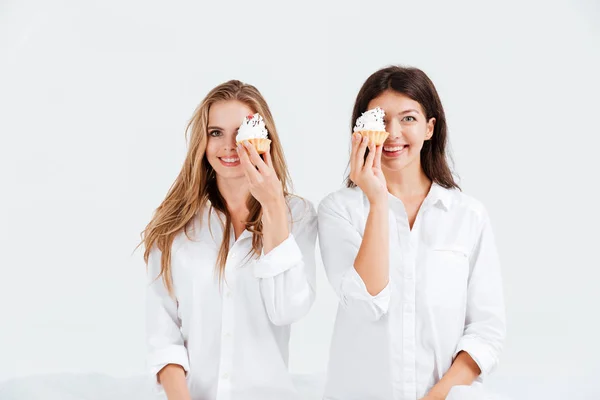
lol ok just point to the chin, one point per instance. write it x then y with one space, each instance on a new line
394 165
230 174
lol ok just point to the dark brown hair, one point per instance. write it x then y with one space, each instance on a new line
413 82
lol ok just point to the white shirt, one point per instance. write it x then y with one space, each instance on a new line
232 340
444 295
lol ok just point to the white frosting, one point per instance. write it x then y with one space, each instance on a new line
371 120
253 127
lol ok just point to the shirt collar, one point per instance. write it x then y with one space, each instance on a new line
439 195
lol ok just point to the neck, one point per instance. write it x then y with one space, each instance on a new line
235 192
408 182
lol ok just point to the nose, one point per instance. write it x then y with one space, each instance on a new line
394 129
231 144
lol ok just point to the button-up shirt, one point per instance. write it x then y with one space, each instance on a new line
444 295
232 337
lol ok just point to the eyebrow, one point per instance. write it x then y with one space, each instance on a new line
214 128
409 111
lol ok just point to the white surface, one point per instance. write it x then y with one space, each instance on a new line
105 387
310 387
95 96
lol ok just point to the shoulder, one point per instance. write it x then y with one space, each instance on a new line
300 208
347 199
467 203
468 207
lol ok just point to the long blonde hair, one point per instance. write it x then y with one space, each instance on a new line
196 185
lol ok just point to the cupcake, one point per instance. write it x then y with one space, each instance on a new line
253 130
371 125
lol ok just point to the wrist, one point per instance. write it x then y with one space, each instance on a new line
275 225
379 202
276 205
435 394
274 213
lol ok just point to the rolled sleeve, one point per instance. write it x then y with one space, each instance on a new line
161 358
354 294
168 355
340 242
165 343
485 322
480 352
287 274
283 257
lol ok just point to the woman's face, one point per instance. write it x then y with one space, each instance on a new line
224 119
408 129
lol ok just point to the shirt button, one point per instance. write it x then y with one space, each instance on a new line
225 375
228 293
227 335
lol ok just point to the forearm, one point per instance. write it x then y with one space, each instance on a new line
464 371
275 224
372 260
172 378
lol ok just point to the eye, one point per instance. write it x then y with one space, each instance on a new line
214 133
409 118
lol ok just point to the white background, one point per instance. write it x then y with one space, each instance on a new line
95 95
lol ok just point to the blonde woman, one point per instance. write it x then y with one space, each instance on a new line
412 258
230 256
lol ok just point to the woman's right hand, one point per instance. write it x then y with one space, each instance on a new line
367 173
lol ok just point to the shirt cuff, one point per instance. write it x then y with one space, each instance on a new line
175 354
283 257
354 288
479 351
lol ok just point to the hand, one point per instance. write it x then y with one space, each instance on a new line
367 173
263 183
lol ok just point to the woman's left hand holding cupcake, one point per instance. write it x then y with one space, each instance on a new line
266 188
262 179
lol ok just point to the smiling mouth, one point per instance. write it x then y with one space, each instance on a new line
230 161
394 151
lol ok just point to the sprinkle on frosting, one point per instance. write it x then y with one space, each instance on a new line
253 127
371 120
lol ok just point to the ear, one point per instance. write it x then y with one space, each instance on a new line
430 127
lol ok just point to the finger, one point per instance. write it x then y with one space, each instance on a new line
359 159
244 160
378 153
371 156
268 159
249 168
255 157
355 144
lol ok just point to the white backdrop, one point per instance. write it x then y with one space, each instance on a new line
95 95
